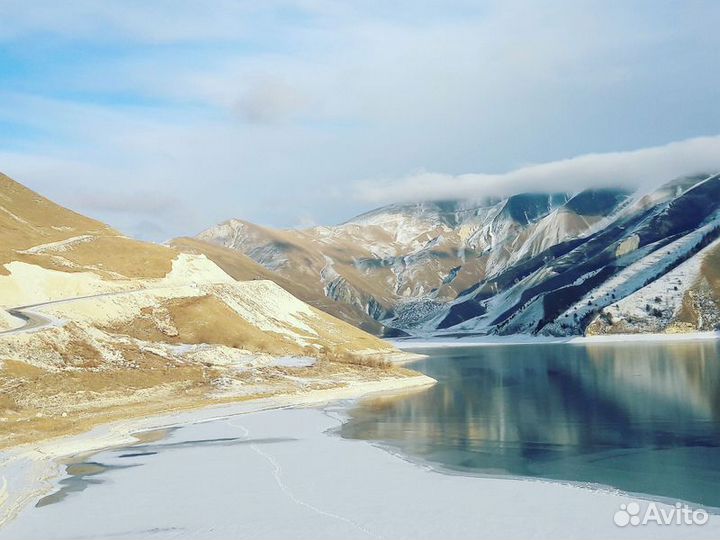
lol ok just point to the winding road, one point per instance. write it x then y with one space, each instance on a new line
33 321
37 321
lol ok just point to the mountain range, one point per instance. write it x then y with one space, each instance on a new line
97 326
600 261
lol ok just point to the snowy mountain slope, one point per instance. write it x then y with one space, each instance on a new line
383 260
532 263
402 264
661 305
561 291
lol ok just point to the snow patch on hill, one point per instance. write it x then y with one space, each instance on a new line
655 307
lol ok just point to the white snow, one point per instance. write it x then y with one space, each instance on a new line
14 216
62 245
293 361
31 284
8 322
187 268
269 307
286 477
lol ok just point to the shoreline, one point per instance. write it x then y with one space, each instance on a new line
525 339
36 466
149 391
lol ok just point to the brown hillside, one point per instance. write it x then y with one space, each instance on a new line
37 231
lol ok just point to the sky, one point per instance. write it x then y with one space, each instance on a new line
165 117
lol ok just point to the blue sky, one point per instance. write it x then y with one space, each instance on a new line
163 118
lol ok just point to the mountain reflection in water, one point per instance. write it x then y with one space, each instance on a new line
642 417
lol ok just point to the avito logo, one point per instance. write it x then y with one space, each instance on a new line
680 514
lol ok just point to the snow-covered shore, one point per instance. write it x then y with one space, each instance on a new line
278 473
525 339
30 471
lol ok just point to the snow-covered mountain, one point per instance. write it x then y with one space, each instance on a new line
598 261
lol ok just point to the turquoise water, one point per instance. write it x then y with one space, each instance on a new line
644 418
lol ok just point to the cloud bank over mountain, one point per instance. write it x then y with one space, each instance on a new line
636 169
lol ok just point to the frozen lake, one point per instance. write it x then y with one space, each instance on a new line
639 417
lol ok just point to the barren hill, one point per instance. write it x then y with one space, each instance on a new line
98 326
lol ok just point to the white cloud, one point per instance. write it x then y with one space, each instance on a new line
633 170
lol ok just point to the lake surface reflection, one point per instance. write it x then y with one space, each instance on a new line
641 417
